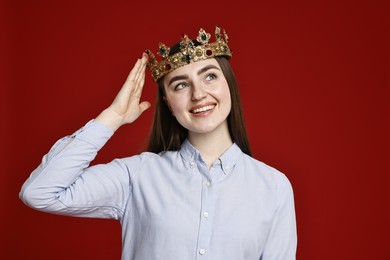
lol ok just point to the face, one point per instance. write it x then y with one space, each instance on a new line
198 96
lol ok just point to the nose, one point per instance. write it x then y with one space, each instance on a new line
198 92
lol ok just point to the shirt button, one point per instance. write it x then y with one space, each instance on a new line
205 214
202 251
208 184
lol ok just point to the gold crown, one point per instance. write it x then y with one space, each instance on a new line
188 52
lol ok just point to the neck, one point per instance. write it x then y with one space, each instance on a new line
211 145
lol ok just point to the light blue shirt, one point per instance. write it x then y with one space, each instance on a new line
170 205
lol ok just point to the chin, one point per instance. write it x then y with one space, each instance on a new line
207 127
203 130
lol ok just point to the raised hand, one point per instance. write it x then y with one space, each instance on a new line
126 107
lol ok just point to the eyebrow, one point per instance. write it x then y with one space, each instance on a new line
202 70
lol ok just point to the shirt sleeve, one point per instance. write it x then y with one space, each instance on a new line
282 240
65 184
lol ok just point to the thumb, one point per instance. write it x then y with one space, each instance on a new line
144 106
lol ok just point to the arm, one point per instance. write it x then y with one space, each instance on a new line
64 184
282 240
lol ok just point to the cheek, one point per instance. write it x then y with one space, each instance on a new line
175 105
229 104
225 96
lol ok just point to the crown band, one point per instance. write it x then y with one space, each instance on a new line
188 52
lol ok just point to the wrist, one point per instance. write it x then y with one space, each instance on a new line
110 119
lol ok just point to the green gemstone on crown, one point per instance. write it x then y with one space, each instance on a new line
186 58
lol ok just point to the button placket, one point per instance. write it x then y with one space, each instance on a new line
205 227
207 206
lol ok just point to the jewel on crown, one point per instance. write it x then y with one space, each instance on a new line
188 52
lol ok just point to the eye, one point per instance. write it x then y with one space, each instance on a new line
211 76
180 85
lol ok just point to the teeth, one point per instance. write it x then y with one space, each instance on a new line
202 109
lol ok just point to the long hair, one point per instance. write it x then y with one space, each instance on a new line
168 135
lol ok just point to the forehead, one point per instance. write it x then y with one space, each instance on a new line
193 67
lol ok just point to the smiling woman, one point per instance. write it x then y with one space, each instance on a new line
199 99
196 193
168 134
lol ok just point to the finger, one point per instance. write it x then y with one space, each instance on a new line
134 71
141 71
140 80
139 76
144 106
144 61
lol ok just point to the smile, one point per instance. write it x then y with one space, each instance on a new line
202 109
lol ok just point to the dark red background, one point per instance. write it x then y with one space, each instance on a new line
314 79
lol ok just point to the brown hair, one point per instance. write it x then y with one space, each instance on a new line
168 135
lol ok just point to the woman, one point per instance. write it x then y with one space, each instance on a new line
197 193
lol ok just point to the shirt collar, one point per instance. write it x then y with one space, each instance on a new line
227 160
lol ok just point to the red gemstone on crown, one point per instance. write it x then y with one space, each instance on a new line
209 52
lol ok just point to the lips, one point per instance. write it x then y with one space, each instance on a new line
201 109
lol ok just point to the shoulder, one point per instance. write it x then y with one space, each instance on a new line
265 172
269 179
149 159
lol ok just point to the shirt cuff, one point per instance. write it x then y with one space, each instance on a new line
94 133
